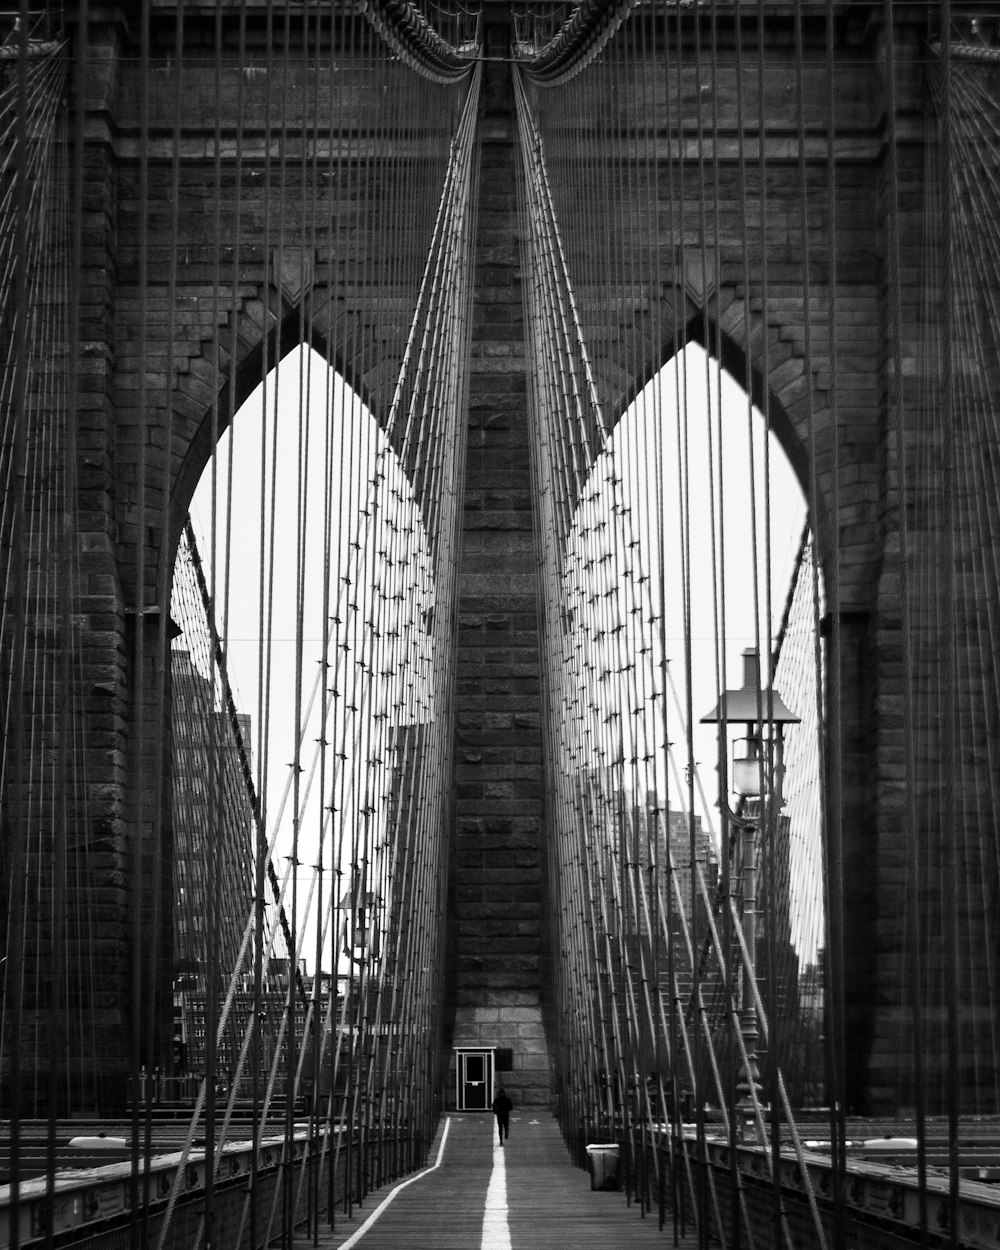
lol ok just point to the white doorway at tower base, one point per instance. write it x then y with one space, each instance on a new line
474 1072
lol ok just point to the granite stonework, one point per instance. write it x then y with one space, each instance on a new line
496 939
170 311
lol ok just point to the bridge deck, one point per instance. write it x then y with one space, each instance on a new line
527 1194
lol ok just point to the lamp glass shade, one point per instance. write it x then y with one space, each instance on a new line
746 775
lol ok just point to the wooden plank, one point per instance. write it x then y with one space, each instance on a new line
549 1201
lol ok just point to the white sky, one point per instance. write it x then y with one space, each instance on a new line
327 529
723 514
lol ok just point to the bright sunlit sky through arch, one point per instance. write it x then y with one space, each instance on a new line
363 452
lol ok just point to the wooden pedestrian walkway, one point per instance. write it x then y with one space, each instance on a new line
477 1196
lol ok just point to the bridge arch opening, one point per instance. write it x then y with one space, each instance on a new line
313 554
688 546
700 513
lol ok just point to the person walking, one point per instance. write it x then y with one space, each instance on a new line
502 1107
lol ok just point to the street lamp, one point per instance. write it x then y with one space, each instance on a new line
758 772
360 928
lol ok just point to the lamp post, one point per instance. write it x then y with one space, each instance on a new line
757 772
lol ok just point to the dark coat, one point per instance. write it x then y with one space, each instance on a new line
502 1106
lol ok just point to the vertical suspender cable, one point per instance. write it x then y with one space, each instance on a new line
15 757
742 139
949 588
76 164
676 1037
913 863
831 741
313 1037
157 981
138 812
